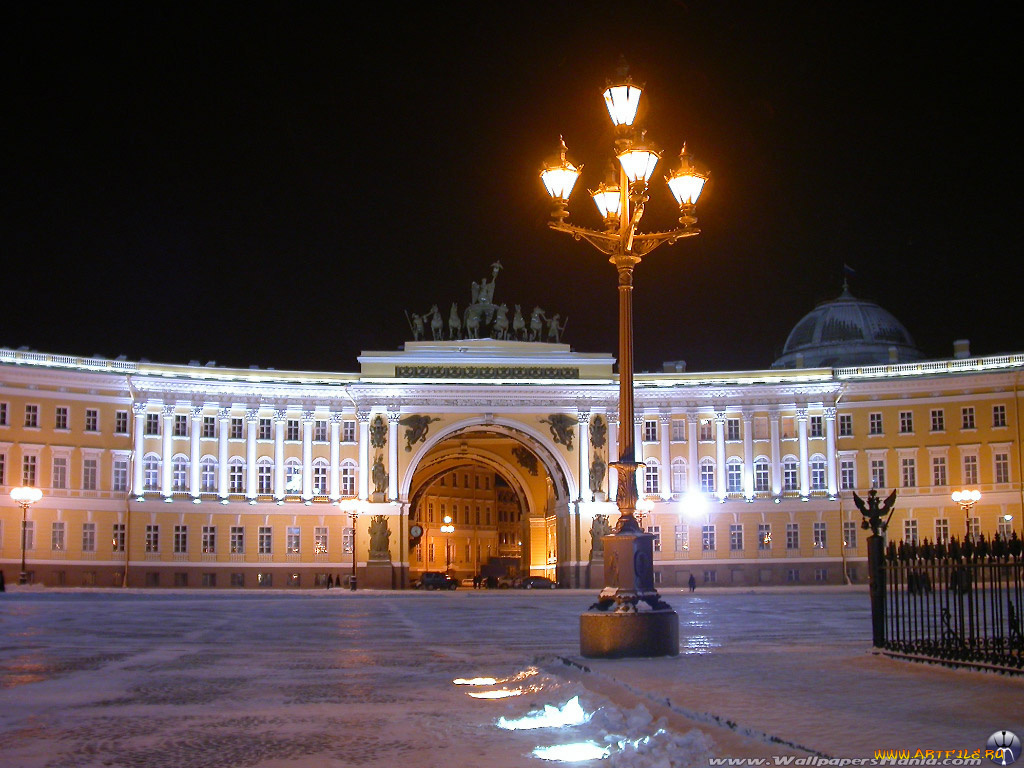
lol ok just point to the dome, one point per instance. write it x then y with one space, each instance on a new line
847 331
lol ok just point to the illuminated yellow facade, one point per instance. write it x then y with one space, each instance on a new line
208 476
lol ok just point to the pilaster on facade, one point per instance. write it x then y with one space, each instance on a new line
224 422
280 422
308 422
583 422
748 455
805 468
363 472
830 452
721 486
252 422
139 426
393 417
613 455
167 451
335 460
775 426
195 456
665 433
693 451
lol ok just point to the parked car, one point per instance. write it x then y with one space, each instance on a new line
436 580
537 582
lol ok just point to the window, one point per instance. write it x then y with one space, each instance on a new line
792 536
818 482
732 429
707 476
265 542
265 579
849 534
878 473
678 431
906 422
3 414
789 474
180 539
348 431
180 425
707 538
292 540
237 579
938 420
970 470
60 418
910 531
152 423
736 537
179 473
705 431
237 428
817 426
320 431
117 538
347 539
792 574
682 538
236 475
236 542
655 530
57 537
874 423
845 425
119 475
821 574
1001 462
152 538
3 469
678 476
60 472
998 415
939 470
292 430
975 528
92 420
89 472
764 536
652 482
650 431
967 417
209 426
320 477
761 475
320 540
28 470
293 476
734 476
209 539
89 537
208 474
264 476
348 479
30 534
32 416
908 472
710 577
820 533
121 422
265 430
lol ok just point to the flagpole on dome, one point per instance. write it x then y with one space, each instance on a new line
847 271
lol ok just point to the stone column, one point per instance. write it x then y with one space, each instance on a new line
776 454
638 452
194 455
583 420
223 487
167 452
393 417
613 453
748 455
252 422
666 454
805 467
720 475
335 478
280 421
830 449
307 455
138 475
693 451
363 480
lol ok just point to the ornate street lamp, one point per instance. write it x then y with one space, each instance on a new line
447 529
24 496
967 499
622 206
351 507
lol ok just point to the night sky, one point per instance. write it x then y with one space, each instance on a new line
273 185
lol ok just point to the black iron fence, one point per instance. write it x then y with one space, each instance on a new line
958 603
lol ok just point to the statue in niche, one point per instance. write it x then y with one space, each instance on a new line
598 529
436 323
378 432
598 470
560 426
416 430
554 329
598 431
519 325
526 459
379 535
454 323
380 477
537 319
501 323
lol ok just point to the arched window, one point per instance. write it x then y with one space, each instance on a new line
292 476
652 478
208 474
320 482
707 475
348 478
818 482
151 472
236 474
790 475
264 475
734 475
678 475
762 474
179 472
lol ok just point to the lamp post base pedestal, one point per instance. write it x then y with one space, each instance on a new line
23 578
639 634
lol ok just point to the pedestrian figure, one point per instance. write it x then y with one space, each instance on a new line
330 581
692 582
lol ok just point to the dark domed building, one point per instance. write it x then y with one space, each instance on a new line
847 331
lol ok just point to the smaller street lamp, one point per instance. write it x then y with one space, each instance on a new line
447 528
352 509
967 499
25 496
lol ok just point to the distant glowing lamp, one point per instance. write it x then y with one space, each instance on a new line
24 496
559 178
622 101
692 506
967 498
687 182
